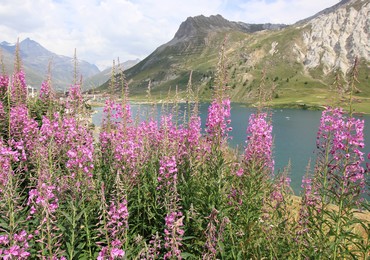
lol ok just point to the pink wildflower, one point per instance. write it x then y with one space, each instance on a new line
46 92
4 83
259 142
340 140
218 120
19 88
173 235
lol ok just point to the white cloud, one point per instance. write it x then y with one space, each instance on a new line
103 30
281 11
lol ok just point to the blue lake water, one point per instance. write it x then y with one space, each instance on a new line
294 133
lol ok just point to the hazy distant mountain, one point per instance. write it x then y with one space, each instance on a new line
35 60
300 60
101 77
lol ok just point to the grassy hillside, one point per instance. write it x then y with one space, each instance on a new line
272 58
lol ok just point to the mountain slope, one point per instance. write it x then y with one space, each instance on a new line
101 77
300 61
194 47
35 59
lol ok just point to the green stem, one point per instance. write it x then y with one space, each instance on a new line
88 235
49 237
73 235
338 228
10 202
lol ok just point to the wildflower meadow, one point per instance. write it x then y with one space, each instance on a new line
143 189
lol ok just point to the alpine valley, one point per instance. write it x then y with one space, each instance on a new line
302 64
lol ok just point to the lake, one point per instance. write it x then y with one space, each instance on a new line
294 133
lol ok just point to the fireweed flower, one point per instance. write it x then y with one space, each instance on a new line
75 99
4 83
122 141
116 114
17 250
310 204
258 151
117 226
44 198
167 180
19 88
118 219
310 195
154 248
74 144
218 120
193 135
7 157
173 235
339 141
46 92
2 113
80 150
280 188
112 254
214 234
23 130
172 138
167 177
127 149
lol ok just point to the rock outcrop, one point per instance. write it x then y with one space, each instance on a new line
336 37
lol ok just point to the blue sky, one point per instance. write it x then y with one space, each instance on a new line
103 30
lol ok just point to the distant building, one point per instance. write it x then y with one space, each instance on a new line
31 91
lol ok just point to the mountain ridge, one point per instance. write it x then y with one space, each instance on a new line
35 60
301 60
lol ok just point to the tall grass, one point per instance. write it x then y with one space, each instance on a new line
165 190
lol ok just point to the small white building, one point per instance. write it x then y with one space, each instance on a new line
31 91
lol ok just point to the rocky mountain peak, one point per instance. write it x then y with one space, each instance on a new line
31 47
335 36
202 24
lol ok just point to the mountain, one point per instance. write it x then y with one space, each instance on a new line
35 60
301 60
101 77
194 47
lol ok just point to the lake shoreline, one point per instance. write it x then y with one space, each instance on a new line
298 106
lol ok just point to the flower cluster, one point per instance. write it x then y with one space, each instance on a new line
75 99
218 120
194 134
4 83
117 227
7 157
19 88
113 253
154 248
173 235
44 198
280 187
23 130
340 140
118 218
18 249
214 234
258 151
74 144
46 91
167 177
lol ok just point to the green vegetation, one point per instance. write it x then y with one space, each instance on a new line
248 56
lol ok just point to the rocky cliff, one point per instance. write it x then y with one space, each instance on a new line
336 37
